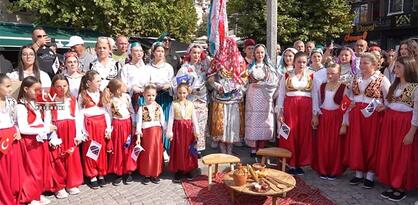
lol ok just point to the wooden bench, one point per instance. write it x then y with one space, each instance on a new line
216 159
275 152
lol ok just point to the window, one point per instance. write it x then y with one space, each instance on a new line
395 7
361 14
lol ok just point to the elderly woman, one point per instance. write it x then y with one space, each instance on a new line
228 77
259 112
196 66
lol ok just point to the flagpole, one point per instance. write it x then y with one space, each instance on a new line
272 29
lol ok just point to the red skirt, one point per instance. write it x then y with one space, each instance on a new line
298 116
361 141
95 127
11 169
180 157
329 150
59 174
66 130
395 159
150 161
37 164
120 161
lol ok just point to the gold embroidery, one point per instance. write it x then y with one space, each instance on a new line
177 110
407 95
290 88
372 90
146 117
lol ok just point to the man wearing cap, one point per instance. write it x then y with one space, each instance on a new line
248 50
46 57
121 54
170 55
76 43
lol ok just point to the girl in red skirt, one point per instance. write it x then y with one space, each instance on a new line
97 128
398 141
182 130
329 150
36 160
11 166
122 114
295 109
362 134
66 118
150 125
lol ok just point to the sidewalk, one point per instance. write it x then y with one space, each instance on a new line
168 193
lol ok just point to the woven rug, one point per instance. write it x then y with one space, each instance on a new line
198 194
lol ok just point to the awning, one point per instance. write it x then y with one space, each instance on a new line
14 35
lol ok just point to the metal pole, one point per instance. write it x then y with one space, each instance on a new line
272 29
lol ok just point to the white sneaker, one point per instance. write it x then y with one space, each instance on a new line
44 200
166 157
73 191
34 202
61 194
416 203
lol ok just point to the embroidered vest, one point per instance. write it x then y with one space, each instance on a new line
407 95
115 109
177 111
338 96
88 101
146 114
54 112
372 90
290 87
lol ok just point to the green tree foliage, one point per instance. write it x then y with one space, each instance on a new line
318 20
114 17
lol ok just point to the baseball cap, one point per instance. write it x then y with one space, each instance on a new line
75 40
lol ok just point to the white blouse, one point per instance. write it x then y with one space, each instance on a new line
183 110
401 107
74 84
153 123
94 111
123 106
107 72
160 75
37 127
135 76
8 114
44 77
363 83
297 84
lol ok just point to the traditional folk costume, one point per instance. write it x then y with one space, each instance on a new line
281 67
160 75
227 73
68 123
395 161
295 102
135 76
259 108
123 116
96 121
37 160
74 83
363 133
182 125
150 124
11 161
44 77
329 144
198 95
107 72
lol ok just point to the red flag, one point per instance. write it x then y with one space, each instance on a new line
345 103
5 143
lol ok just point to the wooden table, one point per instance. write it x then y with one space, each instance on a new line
216 159
246 189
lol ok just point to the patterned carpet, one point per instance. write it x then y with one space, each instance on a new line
198 194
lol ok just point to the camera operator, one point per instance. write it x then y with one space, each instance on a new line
47 58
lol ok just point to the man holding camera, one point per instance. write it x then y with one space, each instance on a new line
46 57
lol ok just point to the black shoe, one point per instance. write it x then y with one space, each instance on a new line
102 182
199 155
324 177
94 185
292 171
368 184
331 177
117 181
397 195
155 180
189 176
177 177
145 181
128 179
356 181
386 194
299 171
253 155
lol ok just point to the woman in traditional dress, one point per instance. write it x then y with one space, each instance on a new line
286 62
368 89
398 138
161 75
259 109
294 106
196 66
72 72
228 78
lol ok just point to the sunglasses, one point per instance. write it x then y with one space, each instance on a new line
40 36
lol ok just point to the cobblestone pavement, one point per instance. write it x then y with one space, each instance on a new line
168 193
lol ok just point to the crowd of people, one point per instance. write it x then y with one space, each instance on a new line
119 112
